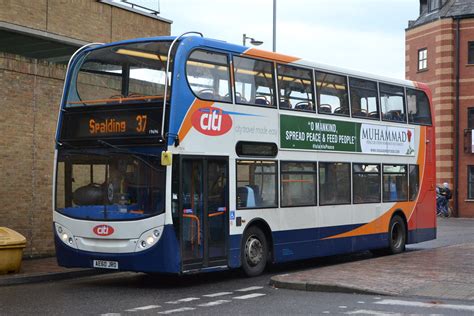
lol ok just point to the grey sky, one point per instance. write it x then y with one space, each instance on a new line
366 35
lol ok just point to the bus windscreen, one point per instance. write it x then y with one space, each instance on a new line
121 74
109 186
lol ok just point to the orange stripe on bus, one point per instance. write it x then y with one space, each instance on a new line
254 52
380 224
187 122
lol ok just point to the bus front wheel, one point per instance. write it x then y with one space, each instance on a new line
254 252
397 235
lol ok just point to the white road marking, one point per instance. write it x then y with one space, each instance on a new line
110 314
426 305
342 306
246 297
369 312
326 312
178 310
360 302
252 288
183 300
142 308
214 303
217 294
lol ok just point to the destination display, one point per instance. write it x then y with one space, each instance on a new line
298 132
111 123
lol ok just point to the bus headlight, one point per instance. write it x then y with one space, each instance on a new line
65 235
149 238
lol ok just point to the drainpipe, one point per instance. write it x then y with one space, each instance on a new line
456 164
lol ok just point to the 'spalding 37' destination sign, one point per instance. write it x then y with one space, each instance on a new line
298 132
111 123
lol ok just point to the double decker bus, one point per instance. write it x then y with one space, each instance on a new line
188 154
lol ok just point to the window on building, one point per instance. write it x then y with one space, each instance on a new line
470 53
334 183
414 179
433 5
332 94
423 59
253 82
470 118
366 183
298 183
208 75
364 98
418 107
395 183
470 182
295 88
256 184
392 103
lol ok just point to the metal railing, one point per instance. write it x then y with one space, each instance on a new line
134 5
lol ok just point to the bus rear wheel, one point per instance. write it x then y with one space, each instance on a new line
254 253
397 235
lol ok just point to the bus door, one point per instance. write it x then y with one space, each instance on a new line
204 205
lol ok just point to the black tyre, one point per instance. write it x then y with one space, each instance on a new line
254 251
397 233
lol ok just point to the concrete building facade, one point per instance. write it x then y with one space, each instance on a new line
440 52
36 40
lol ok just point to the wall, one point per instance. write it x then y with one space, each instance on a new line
30 92
440 39
466 73
86 20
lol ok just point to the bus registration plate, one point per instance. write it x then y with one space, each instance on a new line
103 264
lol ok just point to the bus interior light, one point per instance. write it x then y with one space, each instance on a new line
136 53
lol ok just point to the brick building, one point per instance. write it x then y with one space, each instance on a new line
440 52
36 40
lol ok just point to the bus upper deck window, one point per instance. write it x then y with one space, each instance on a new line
418 107
332 94
295 87
208 75
392 102
364 98
254 82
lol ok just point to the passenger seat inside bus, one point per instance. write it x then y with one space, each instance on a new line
248 196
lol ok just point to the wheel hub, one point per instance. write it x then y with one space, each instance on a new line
253 250
396 235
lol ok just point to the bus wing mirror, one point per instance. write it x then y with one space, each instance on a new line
166 158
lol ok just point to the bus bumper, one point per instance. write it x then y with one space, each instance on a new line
164 257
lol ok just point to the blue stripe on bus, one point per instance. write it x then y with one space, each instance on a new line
421 234
309 243
162 257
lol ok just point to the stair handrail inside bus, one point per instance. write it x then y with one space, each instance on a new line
166 77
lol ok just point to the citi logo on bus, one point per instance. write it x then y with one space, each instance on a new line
211 121
103 230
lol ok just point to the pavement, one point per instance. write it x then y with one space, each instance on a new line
43 269
442 273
